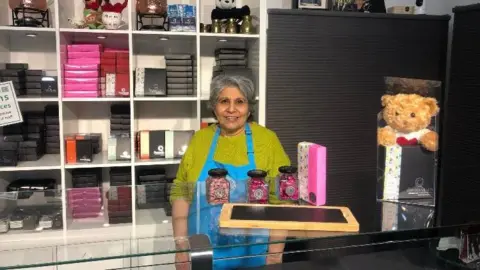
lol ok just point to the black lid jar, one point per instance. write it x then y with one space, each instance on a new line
287 169
217 172
257 174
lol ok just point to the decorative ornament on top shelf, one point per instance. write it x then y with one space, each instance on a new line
112 15
98 16
30 13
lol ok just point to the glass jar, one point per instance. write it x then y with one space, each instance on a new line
152 6
218 187
257 187
288 183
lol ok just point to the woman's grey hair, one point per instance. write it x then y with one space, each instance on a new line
244 84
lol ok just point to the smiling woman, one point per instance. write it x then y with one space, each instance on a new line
236 145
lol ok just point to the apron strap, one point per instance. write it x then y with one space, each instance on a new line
250 152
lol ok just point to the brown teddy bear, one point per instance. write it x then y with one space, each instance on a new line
407 117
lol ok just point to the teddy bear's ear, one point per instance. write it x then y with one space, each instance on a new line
386 99
432 104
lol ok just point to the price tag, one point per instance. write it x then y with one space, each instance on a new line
9 109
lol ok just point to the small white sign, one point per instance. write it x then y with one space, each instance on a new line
9 110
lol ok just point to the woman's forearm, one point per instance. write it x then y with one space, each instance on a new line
179 220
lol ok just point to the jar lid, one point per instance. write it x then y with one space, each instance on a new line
257 173
287 169
217 172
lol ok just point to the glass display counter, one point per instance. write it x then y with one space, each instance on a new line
118 252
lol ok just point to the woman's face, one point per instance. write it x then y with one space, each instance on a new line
232 110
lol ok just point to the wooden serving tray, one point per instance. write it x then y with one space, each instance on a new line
226 221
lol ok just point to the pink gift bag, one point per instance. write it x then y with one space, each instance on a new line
312 173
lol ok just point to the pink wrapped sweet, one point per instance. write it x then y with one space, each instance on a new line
257 187
288 184
82 55
81 87
81 74
218 187
81 67
84 47
81 94
84 61
82 80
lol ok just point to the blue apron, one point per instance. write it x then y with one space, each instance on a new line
203 217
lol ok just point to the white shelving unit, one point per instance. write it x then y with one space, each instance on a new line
42 49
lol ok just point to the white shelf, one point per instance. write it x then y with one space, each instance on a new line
93 31
36 99
158 161
165 98
227 36
98 99
47 162
99 161
163 33
27 29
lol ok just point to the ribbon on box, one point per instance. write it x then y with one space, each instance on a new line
393 163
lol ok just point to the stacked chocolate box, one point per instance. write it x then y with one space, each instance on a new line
120 119
15 72
52 130
152 186
120 196
85 198
81 71
231 62
33 82
181 74
11 136
33 147
115 73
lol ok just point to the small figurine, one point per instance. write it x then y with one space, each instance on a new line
91 15
227 9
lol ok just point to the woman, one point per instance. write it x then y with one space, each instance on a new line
237 145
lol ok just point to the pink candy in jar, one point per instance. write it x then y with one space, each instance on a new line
218 187
257 187
288 183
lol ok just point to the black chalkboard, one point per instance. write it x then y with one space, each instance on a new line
294 214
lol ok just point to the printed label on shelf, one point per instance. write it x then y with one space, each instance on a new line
9 109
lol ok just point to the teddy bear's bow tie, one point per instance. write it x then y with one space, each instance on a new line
402 141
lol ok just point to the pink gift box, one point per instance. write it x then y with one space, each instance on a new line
80 200
86 208
81 55
85 215
81 74
81 66
81 87
84 61
82 80
312 173
84 47
81 94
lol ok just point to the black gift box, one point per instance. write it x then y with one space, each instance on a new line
150 82
49 86
417 173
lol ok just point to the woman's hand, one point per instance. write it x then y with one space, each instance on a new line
182 261
274 258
